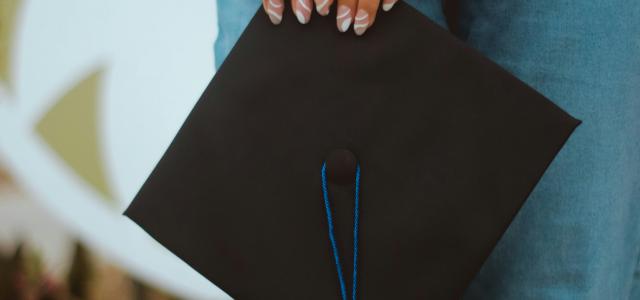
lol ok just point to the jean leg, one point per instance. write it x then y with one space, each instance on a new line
578 235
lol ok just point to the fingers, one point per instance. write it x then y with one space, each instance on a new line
387 5
365 16
302 10
274 9
359 13
346 11
322 6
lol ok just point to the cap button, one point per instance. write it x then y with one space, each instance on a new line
341 167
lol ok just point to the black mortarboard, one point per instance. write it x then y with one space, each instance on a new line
448 145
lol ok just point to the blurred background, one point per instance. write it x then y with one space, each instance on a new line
91 94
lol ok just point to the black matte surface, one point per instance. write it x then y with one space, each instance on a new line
450 145
341 166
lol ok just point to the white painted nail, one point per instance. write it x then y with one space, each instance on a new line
301 17
360 28
275 14
305 5
362 15
322 8
345 25
275 4
388 6
275 17
361 23
343 11
344 18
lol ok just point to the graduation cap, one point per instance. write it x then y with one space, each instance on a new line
438 146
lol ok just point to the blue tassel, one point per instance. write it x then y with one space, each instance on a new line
332 239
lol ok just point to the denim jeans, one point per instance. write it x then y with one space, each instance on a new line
578 234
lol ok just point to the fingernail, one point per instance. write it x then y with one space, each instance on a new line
388 6
275 18
322 8
301 18
303 12
361 23
344 18
274 11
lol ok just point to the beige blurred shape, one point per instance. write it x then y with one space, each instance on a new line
8 17
70 128
7 182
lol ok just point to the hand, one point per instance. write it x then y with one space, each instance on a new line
359 13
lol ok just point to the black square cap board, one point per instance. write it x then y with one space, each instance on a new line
446 146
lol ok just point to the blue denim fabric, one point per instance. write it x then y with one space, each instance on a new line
234 15
578 234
